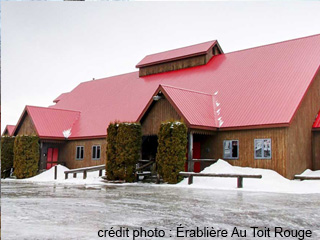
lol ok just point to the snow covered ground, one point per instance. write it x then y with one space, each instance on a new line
58 211
271 181
42 208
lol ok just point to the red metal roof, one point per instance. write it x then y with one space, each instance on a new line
62 95
316 123
9 129
175 54
50 122
197 108
257 87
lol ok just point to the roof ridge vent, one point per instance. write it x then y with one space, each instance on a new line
180 58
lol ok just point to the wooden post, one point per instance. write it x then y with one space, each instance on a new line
190 152
100 172
190 179
75 175
240 182
66 175
55 172
84 174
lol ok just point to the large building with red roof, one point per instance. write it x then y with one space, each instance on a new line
254 107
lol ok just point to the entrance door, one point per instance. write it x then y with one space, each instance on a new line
52 157
196 155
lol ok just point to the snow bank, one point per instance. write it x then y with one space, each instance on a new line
271 181
310 173
48 176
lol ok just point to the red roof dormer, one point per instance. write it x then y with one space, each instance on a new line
180 58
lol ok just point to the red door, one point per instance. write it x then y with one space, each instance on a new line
196 155
52 157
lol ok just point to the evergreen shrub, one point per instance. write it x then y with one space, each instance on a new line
7 144
26 156
172 150
123 150
111 165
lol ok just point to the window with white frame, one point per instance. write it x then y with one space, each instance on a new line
96 149
231 149
80 152
262 148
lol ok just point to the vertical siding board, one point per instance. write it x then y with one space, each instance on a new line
68 153
300 131
316 150
246 148
27 127
161 111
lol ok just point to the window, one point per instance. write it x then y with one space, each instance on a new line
96 152
262 148
231 149
80 152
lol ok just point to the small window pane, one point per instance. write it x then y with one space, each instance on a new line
267 148
98 152
258 148
231 149
79 152
94 152
234 149
227 149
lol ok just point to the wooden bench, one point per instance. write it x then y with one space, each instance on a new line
84 171
306 177
240 177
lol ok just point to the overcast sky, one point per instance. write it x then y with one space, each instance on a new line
50 47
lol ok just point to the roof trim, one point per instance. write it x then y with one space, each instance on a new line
248 127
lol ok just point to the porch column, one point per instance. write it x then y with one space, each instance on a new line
190 152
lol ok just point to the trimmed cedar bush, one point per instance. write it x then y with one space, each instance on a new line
128 150
7 144
111 151
26 156
172 149
123 150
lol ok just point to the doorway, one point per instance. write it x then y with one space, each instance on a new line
149 147
52 157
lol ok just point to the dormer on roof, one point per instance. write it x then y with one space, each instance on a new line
180 58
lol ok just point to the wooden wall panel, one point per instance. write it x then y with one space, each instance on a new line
27 127
246 148
316 150
68 153
159 112
300 131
